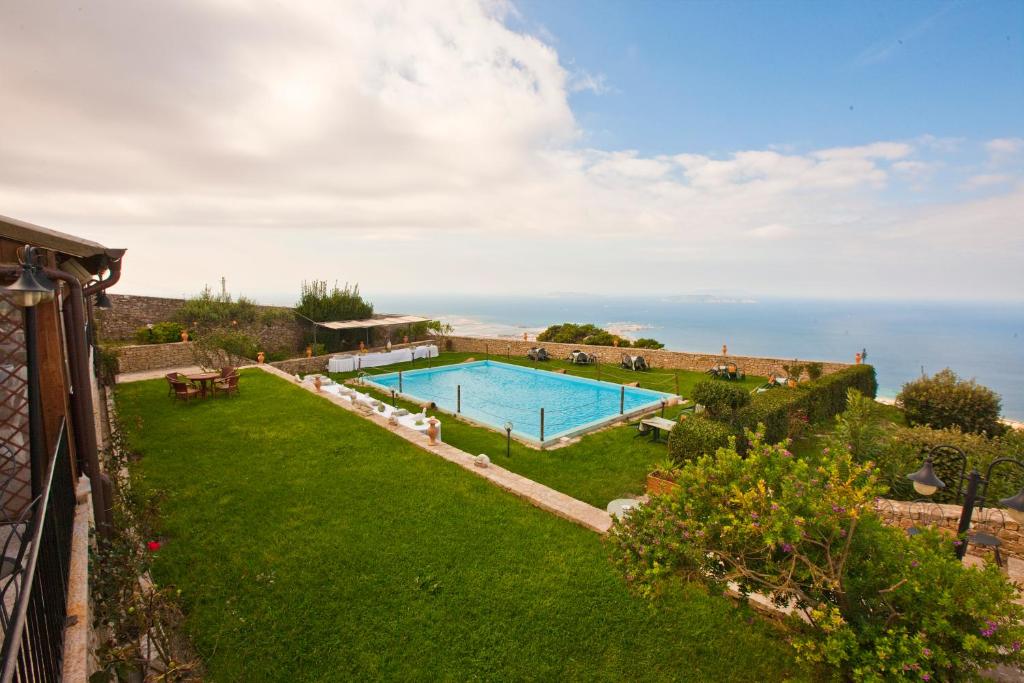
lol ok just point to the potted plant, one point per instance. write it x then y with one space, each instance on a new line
662 479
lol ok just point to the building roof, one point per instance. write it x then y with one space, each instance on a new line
36 235
382 320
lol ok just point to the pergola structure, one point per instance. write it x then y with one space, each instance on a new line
379 320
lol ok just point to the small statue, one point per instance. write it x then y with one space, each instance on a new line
260 357
309 351
725 350
317 383
432 430
405 339
387 347
184 335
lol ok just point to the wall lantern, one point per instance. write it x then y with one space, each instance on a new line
32 286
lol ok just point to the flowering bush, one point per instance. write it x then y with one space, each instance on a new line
875 604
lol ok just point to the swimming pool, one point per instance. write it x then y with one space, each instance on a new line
494 393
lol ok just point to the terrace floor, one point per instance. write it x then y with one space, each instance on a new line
310 544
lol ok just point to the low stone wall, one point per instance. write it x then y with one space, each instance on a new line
154 357
303 366
660 358
947 517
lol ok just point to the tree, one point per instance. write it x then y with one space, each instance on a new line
321 304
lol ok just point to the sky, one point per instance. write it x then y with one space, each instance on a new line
770 149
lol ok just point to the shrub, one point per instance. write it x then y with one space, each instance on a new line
207 308
857 428
720 400
904 450
814 370
573 333
647 343
696 436
944 400
879 605
319 303
159 333
108 365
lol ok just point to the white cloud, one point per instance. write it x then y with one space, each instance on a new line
1004 149
772 231
987 180
424 144
581 80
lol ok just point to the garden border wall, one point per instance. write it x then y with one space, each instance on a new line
656 358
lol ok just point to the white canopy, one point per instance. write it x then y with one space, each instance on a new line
375 321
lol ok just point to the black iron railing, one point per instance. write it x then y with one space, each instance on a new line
34 585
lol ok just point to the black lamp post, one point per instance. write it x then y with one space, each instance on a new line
32 287
508 439
927 482
103 301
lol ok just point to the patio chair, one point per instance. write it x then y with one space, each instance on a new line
638 363
185 391
173 377
577 357
228 371
226 385
733 372
538 353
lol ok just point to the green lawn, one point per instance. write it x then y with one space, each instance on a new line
601 466
310 544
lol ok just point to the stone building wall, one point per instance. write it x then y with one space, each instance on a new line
947 517
282 334
660 358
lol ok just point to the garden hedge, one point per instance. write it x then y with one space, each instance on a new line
819 400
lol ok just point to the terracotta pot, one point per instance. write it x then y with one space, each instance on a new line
657 486
309 352
184 335
857 359
432 430
260 357
317 383
405 339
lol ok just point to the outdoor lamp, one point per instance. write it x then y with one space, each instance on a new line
508 439
103 301
925 481
32 286
1015 507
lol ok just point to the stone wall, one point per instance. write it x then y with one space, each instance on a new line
660 358
130 312
947 517
154 357
303 366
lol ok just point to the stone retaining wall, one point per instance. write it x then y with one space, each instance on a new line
154 357
276 333
947 517
660 358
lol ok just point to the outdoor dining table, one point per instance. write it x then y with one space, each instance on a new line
204 380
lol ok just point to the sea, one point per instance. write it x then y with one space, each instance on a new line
983 341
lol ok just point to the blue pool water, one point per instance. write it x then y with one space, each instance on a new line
494 393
